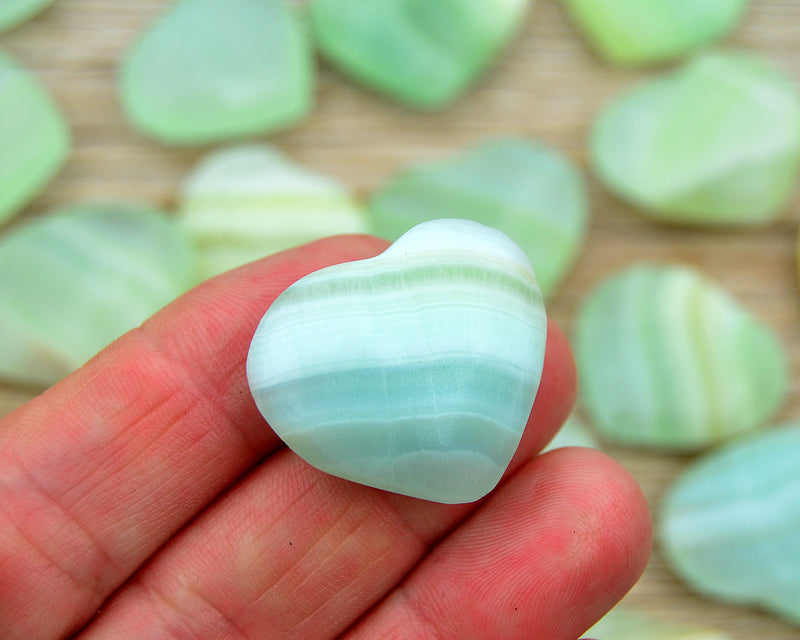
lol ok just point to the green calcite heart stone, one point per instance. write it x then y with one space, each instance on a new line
639 32
419 52
216 69
73 281
526 190
715 143
625 623
668 360
414 371
14 12
246 202
730 526
34 139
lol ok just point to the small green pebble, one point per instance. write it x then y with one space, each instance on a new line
73 281
15 12
421 52
641 32
34 138
526 190
573 434
715 143
247 202
212 70
668 360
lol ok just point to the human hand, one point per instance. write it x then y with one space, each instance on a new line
144 497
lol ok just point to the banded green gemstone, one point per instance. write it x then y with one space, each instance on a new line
730 526
34 138
641 32
715 143
419 52
668 360
413 372
247 202
73 281
211 70
15 12
528 191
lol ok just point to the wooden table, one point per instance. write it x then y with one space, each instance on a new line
547 86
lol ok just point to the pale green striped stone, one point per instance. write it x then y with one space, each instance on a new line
34 139
528 191
668 360
247 202
73 281
212 70
574 433
640 32
15 12
730 526
419 52
625 623
714 143
413 372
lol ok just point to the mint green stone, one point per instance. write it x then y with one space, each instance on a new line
528 191
243 203
641 32
573 433
420 52
211 70
75 280
414 371
715 143
668 360
34 139
730 525
625 623
15 12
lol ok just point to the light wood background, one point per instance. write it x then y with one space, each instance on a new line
547 85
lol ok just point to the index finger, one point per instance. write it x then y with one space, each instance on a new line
101 469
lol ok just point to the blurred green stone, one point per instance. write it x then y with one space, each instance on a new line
715 143
640 32
211 70
573 433
528 191
420 52
34 139
73 281
14 12
625 623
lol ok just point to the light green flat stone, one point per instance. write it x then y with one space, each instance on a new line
715 143
668 360
73 281
730 525
526 190
247 202
419 52
640 32
624 623
573 434
212 70
14 12
34 139
414 371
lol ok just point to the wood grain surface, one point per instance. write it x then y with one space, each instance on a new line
547 85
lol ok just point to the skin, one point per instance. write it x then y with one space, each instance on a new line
144 497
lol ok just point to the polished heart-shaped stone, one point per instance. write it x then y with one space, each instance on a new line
414 371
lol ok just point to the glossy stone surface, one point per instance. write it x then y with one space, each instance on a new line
668 360
640 32
528 191
34 139
212 70
15 12
419 52
624 623
414 371
73 281
714 143
246 202
730 526
574 433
